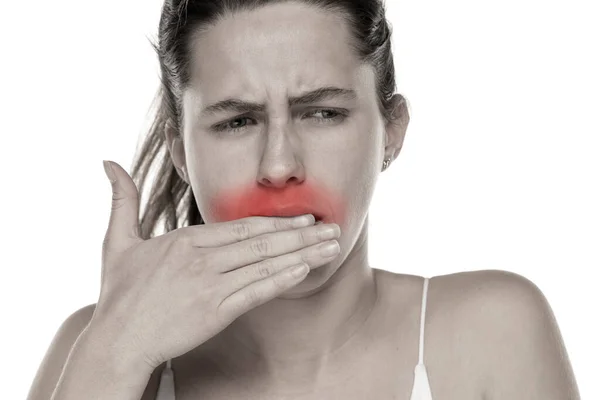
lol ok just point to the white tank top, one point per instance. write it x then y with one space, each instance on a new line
420 390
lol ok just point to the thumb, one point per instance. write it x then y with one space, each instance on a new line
123 226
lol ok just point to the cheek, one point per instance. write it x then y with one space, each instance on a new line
356 172
354 165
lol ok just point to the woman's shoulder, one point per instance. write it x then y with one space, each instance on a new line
497 329
506 326
486 283
54 360
484 298
500 303
484 308
485 294
469 290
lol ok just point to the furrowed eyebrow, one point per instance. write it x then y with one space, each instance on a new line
241 106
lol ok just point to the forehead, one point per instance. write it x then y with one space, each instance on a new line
282 48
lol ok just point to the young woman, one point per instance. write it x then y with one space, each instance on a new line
270 110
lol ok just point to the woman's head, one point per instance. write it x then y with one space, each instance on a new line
310 116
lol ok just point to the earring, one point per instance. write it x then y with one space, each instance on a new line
386 163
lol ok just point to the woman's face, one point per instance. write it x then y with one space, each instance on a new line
318 155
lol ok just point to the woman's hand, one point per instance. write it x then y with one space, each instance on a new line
162 297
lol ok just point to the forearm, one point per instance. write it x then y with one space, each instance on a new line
98 370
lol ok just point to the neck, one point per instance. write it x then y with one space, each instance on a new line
300 338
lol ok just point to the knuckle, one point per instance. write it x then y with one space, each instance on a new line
279 224
252 298
241 229
222 316
118 200
203 262
180 236
265 268
185 238
302 236
280 282
261 247
303 257
171 246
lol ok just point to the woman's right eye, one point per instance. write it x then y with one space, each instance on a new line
225 126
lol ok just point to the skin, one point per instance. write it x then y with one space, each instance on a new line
265 62
491 329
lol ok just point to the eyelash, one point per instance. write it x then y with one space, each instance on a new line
338 114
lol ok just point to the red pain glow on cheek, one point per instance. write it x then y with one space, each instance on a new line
257 200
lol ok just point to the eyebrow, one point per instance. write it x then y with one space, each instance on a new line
313 96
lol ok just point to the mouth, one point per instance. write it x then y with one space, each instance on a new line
318 220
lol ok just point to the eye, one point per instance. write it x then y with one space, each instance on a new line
334 115
236 127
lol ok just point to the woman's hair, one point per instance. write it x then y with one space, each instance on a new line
170 198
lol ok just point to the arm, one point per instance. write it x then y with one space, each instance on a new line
54 360
526 356
77 362
99 368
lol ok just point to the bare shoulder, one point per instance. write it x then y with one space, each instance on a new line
81 316
490 303
493 302
493 287
509 330
55 358
464 292
472 299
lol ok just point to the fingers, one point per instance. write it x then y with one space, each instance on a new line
123 226
313 256
256 284
266 246
228 232
261 291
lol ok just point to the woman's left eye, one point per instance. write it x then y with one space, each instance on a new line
326 111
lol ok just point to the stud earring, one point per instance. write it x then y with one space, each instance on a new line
386 163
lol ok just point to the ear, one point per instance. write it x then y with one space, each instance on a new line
395 130
174 143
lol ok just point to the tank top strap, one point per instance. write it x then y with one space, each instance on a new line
166 386
422 330
421 389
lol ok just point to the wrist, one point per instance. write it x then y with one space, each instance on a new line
114 351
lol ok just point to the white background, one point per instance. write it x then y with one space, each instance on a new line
500 167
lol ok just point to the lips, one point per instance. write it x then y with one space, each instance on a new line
293 209
257 200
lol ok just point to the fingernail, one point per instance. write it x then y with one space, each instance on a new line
304 220
109 171
299 270
329 248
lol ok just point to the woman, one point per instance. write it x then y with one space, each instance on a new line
270 110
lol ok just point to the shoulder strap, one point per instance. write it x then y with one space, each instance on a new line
423 307
166 386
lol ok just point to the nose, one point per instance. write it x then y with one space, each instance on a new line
280 164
